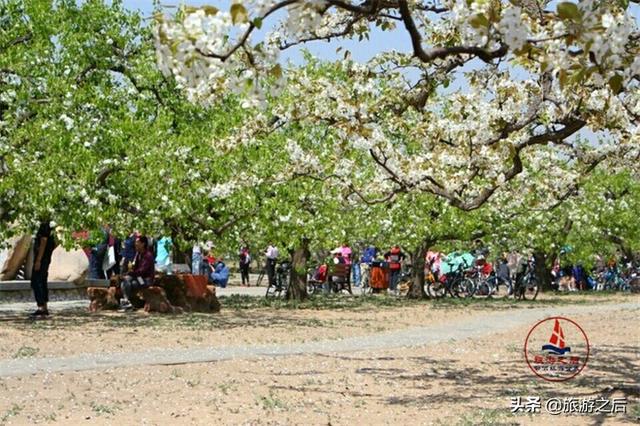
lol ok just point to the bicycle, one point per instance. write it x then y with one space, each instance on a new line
527 286
281 285
611 279
365 277
405 280
260 278
456 283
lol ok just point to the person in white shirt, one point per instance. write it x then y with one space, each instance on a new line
270 266
196 260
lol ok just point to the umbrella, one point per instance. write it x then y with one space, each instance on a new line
453 260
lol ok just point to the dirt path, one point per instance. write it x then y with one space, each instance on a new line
473 326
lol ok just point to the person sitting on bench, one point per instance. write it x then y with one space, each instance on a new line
142 274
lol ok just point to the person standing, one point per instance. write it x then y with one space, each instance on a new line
196 260
270 266
394 257
98 253
245 262
163 255
346 252
43 249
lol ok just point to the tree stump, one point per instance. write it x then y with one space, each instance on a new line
103 298
169 294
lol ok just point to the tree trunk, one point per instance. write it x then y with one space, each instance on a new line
543 270
416 291
622 245
298 280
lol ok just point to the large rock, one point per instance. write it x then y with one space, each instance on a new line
11 259
28 265
72 266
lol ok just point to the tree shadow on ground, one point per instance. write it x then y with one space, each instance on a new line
613 371
79 318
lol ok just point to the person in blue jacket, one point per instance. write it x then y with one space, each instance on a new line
220 274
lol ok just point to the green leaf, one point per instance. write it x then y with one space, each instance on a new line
257 23
210 10
615 83
562 77
569 11
276 71
479 21
239 14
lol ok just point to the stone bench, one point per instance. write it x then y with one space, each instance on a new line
20 290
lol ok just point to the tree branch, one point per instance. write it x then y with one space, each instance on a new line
443 52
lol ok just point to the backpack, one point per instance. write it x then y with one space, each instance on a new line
394 259
368 255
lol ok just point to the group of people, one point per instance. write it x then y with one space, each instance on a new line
371 256
568 276
137 265
138 258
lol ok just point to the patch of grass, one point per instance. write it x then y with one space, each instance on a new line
513 348
11 412
101 409
359 403
25 352
49 417
226 387
487 417
634 412
271 402
364 303
310 382
318 302
602 293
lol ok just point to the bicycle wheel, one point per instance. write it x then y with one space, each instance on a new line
435 289
404 286
284 285
453 288
623 285
468 287
502 288
311 288
271 291
530 288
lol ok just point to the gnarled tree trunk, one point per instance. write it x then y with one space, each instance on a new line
298 279
416 291
543 269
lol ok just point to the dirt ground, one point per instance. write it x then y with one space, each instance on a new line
467 382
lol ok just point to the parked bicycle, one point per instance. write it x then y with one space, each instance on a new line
281 285
365 278
612 279
455 283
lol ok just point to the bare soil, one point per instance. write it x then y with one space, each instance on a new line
464 382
